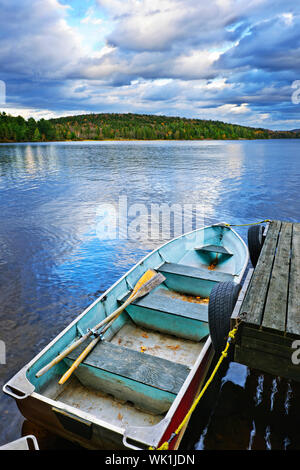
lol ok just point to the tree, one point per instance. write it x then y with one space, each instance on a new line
36 135
46 129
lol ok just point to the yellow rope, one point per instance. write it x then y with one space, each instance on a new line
231 335
244 225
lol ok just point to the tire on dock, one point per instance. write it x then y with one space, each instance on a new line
222 300
255 242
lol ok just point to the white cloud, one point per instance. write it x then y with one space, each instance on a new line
288 18
233 108
195 64
263 116
157 25
37 41
91 18
37 114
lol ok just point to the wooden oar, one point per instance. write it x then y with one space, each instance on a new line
147 282
85 352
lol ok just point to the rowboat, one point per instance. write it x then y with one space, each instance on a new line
134 388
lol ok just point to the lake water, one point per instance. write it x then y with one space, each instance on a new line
54 260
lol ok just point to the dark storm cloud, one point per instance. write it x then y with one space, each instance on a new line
273 45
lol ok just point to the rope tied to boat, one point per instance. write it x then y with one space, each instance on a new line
230 338
244 225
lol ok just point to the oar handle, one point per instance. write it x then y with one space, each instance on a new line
63 354
77 343
79 359
116 312
85 352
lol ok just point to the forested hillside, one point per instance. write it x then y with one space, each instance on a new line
127 127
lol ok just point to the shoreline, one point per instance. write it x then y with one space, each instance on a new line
12 142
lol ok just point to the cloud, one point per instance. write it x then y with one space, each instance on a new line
91 18
36 40
172 26
271 45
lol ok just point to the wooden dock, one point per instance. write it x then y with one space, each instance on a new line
269 305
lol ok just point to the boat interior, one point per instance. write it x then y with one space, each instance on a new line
134 374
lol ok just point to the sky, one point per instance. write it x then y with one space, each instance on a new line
236 61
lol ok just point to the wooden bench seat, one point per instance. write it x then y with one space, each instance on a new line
162 300
192 280
196 273
150 382
159 311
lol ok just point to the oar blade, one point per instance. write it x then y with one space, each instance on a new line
147 276
151 284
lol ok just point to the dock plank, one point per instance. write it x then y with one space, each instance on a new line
293 315
254 301
276 303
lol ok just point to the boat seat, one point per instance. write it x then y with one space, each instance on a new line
148 381
196 273
214 249
162 300
193 280
160 311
